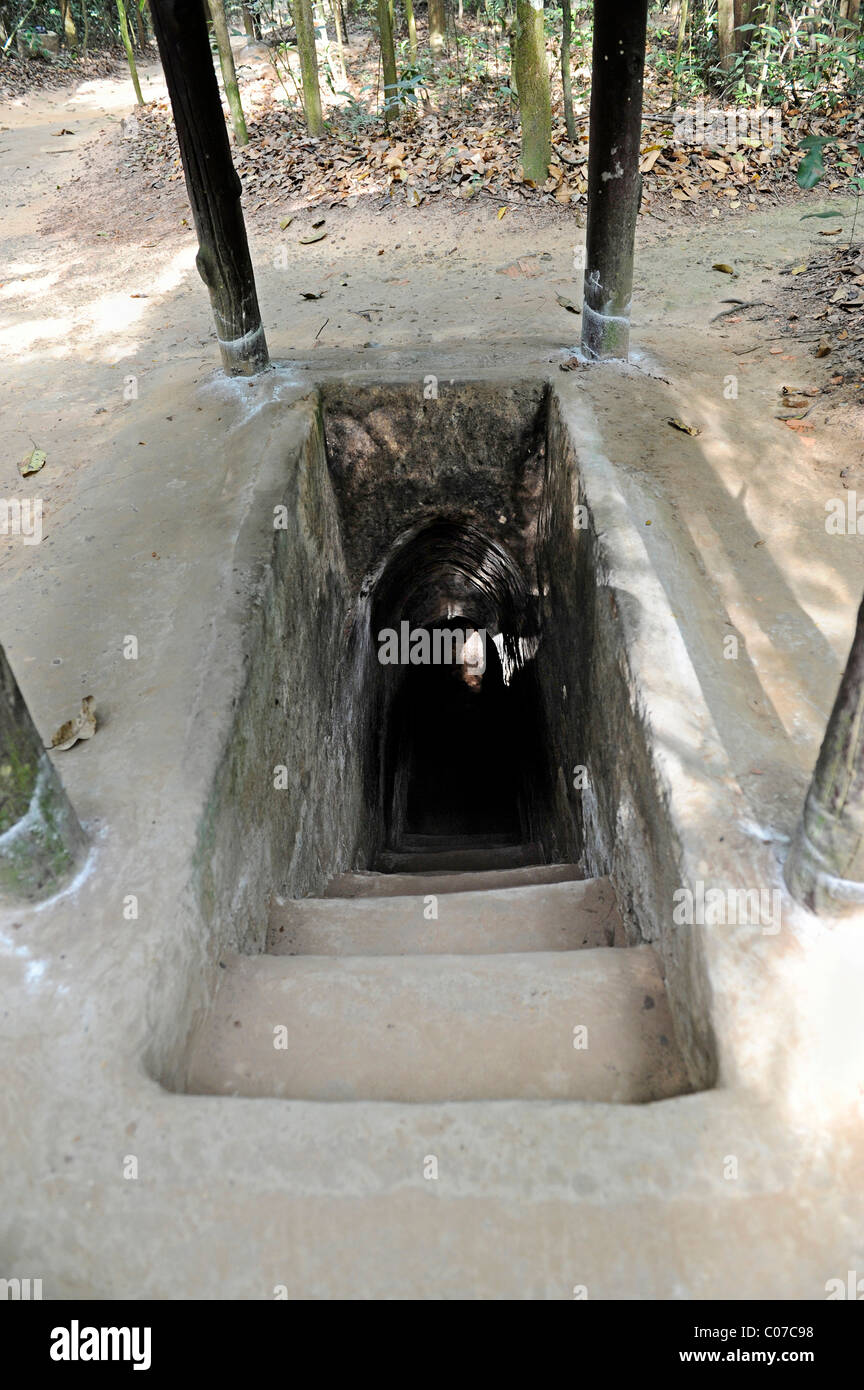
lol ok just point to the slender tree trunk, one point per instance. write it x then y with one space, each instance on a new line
566 32
825 865
41 841
303 23
322 39
743 10
412 29
67 19
388 62
86 40
532 82
683 16
229 72
766 52
139 26
344 19
337 22
726 32
437 21
614 181
130 56
214 188
251 23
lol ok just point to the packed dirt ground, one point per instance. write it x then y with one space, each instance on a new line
746 331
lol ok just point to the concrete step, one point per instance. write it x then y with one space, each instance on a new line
366 884
537 917
472 857
440 1028
495 839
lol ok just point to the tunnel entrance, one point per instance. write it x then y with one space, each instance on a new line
453 630
454 726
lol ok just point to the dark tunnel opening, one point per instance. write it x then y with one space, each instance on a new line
458 751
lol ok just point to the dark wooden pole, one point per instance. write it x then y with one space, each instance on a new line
825 865
41 841
212 183
613 174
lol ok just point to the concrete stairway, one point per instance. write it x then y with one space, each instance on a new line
419 854
494 982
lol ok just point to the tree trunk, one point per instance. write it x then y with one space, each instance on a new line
532 84
825 865
322 40
766 51
388 62
229 73
437 21
41 841
67 19
566 32
744 15
130 56
726 33
302 11
412 29
614 181
139 25
251 23
337 22
683 16
214 188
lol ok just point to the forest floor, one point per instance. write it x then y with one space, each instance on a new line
105 334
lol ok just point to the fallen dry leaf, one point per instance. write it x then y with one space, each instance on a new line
568 304
83 726
682 426
32 462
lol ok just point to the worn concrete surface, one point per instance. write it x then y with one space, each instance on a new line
226 1186
551 917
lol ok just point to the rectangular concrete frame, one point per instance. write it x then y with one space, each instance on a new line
743 1190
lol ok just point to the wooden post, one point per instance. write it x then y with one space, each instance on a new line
614 180
825 865
41 841
212 183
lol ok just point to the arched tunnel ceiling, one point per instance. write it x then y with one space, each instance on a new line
449 568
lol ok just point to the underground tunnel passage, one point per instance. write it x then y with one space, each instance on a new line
459 756
438 877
